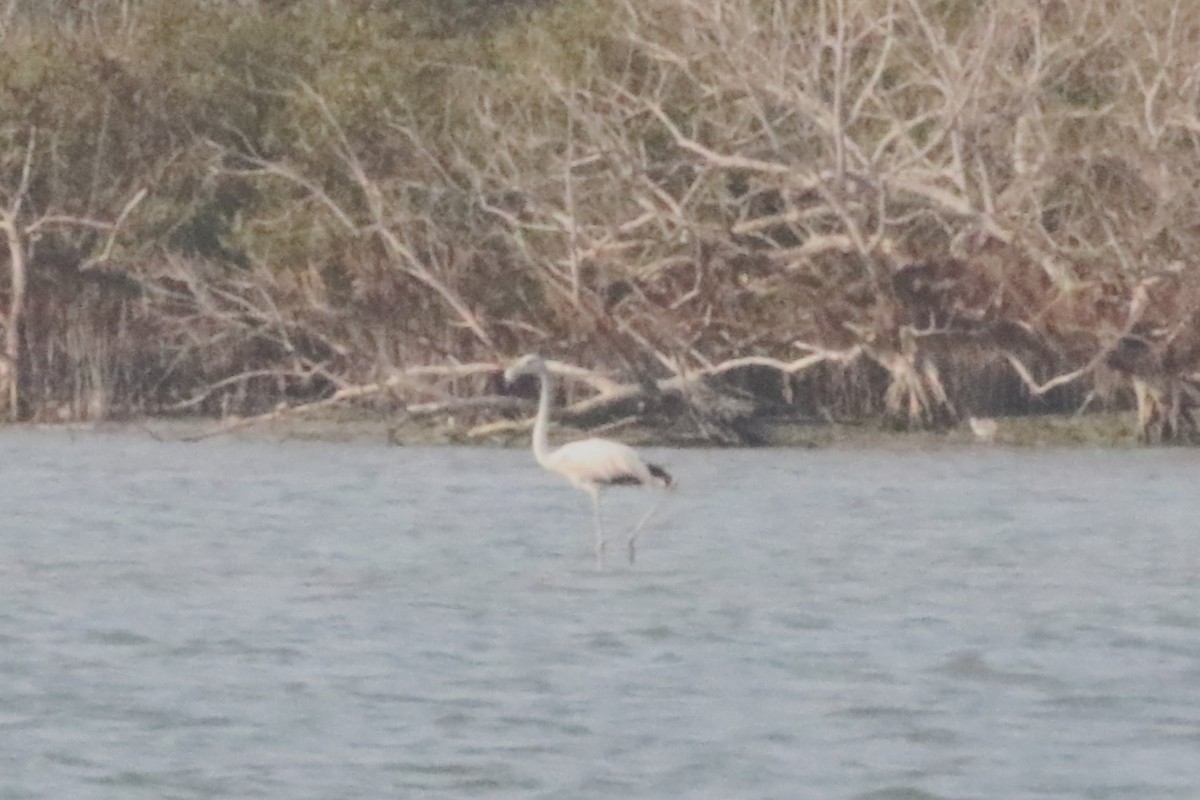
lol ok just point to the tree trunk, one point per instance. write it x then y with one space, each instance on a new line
10 369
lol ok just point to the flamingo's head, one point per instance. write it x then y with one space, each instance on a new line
531 364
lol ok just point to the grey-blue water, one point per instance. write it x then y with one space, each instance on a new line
235 619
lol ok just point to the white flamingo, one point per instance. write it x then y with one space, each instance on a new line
590 464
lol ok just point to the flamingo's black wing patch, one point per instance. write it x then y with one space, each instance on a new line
625 479
630 479
661 474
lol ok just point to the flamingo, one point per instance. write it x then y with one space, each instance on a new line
590 464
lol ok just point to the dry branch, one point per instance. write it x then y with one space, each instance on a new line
347 394
1038 389
616 399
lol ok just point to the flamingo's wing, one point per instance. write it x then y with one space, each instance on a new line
599 461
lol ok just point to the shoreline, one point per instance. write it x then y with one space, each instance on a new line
1113 430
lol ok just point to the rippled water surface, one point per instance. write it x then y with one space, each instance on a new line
297 620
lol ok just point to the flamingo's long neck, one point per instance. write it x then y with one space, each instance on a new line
541 425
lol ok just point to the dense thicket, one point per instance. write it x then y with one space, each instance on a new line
837 208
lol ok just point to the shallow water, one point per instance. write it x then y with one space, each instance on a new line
299 620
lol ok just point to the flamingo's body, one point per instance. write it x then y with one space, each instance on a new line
590 464
599 462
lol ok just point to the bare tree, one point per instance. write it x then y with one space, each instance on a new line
923 186
15 236
22 225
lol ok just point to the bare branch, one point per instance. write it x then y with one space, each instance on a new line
1038 389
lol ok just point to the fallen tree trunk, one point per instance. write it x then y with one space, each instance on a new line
718 412
704 405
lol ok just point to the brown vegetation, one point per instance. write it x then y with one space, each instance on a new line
829 209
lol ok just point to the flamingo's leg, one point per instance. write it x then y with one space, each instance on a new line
633 534
595 493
